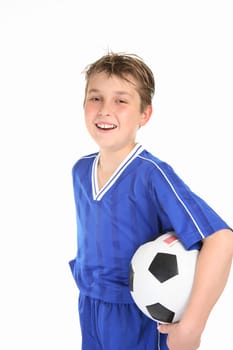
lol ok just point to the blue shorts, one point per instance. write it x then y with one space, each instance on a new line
107 326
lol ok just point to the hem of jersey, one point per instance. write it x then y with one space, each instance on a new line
125 301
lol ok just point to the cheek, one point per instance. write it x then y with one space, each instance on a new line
88 109
88 113
91 107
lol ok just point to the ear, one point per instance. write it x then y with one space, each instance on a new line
145 116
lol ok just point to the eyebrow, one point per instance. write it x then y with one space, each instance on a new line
118 92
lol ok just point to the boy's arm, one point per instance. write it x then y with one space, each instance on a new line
213 267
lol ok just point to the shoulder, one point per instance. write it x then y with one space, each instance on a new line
156 165
159 173
84 162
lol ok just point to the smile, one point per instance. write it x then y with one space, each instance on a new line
104 126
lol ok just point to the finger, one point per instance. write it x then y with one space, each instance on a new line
163 328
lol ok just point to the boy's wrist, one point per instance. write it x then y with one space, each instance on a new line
192 326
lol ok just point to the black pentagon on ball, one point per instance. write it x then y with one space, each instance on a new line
160 313
164 266
131 278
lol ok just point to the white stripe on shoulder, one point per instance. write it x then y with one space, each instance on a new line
175 193
90 156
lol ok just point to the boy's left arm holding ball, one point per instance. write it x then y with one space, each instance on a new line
212 271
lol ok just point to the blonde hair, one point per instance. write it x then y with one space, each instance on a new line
122 65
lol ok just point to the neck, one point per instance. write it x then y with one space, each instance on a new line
109 162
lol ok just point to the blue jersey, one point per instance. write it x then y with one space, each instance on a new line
143 199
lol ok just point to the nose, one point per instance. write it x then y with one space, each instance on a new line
104 114
105 109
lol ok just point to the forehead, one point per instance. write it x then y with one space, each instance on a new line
103 81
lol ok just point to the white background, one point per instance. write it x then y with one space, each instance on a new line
44 47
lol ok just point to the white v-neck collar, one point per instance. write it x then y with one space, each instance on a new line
98 194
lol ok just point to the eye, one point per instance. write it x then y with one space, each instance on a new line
94 99
120 101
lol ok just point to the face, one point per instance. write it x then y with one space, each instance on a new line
112 112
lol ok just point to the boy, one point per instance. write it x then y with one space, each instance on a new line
125 197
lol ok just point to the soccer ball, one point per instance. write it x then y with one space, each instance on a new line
161 277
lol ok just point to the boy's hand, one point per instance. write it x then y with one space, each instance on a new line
179 337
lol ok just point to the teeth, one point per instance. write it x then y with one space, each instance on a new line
106 126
